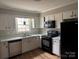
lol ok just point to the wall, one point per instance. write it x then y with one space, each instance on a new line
11 14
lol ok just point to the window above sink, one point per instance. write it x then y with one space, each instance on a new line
23 24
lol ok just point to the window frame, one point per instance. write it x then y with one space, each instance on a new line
20 24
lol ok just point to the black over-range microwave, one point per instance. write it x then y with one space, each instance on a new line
50 24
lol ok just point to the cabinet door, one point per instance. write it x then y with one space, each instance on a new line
41 22
50 17
46 18
39 41
3 22
67 14
70 14
4 50
56 47
36 42
26 45
0 50
7 22
30 44
36 22
75 13
58 18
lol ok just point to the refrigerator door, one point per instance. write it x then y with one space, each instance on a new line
69 40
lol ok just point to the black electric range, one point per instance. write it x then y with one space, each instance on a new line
47 40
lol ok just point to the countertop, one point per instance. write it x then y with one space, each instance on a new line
8 38
56 38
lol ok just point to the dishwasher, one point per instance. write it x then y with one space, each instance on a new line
15 47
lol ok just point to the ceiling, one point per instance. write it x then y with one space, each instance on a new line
32 5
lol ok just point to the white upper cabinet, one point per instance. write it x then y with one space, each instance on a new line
58 19
46 18
49 17
41 22
6 22
76 13
70 14
36 22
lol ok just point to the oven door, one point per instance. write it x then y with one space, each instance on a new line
47 44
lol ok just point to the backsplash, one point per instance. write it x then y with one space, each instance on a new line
44 30
31 32
13 33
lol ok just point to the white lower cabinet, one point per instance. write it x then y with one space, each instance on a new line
56 46
0 50
30 44
25 45
39 41
4 54
35 42
9 49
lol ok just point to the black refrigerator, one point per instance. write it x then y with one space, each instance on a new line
69 40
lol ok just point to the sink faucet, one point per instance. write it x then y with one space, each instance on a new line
26 34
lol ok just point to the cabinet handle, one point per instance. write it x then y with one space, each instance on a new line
72 14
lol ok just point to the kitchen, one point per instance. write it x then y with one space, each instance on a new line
26 27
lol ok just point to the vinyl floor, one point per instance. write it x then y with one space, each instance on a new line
36 54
